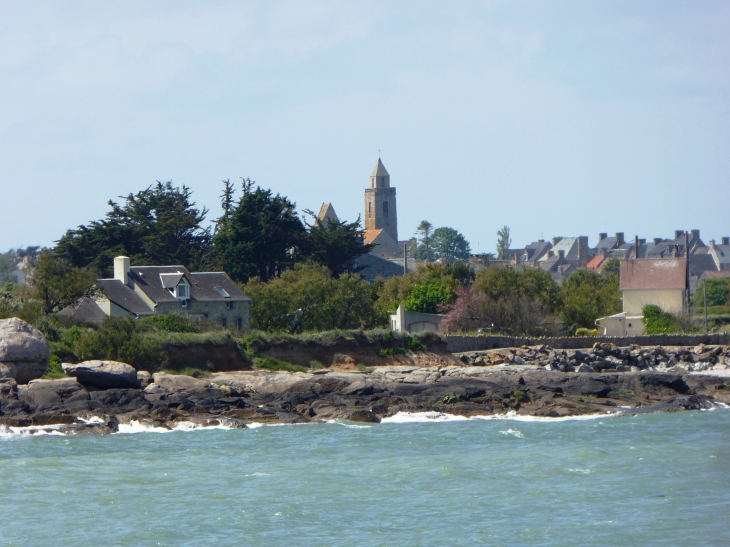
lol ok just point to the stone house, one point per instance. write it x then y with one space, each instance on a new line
140 291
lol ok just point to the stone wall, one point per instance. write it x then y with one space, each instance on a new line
458 344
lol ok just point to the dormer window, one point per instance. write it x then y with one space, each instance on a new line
182 290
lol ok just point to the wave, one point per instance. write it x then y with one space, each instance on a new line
428 417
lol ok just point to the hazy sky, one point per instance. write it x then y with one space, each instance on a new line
555 118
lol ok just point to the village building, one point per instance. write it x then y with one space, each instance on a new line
413 322
662 282
140 291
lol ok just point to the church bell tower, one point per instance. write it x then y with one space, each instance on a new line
380 210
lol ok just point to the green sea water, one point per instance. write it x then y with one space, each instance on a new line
657 479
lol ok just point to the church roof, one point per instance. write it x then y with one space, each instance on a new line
379 170
327 212
370 235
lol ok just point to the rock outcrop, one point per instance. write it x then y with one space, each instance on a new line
527 381
103 374
24 352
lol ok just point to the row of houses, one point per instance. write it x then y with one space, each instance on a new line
563 255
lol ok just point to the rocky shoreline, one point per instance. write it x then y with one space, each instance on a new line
106 396
238 399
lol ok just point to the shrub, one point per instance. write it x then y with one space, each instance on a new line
414 344
385 352
172 322
363 368
315 365
54 371
658 322
582 331
120 340
520 396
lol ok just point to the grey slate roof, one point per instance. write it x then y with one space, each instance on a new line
123 296
700 263
85 310
203 285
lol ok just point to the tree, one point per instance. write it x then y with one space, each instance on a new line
497 283
156 226
7 269
511 313
449 245
611 266
717 291
503 243
395 290
57 283
260 235
585 296
425 251
426 297
308 298
335 244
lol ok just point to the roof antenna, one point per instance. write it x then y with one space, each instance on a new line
378 153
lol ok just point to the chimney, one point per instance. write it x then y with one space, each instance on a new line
678 233
620 238
556 240
726 240
602 236
121 269
551 253
583 248
712 244
657 240
695 234
561 255
642 241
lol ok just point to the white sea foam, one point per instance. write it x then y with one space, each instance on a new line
420 417
514 433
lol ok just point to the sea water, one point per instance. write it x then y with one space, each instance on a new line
655 479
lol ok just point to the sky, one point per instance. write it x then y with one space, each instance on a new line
553 118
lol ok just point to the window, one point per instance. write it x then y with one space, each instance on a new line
230 305
223 292
370 208
182 290
239 323
224 322
385 209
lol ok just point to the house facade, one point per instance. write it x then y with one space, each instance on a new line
662 282
140 291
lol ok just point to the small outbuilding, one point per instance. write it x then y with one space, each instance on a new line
413 321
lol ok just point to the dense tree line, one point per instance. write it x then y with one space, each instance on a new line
300 273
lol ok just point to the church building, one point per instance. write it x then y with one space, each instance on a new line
381 215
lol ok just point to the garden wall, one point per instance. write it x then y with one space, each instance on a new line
458 344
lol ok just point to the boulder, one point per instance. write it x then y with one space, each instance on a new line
64 395
103 374
24 352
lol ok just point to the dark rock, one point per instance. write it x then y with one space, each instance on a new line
47 395
119 401
103 374
363 416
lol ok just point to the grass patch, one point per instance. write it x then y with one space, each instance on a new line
315 365
54 371
195 372
269 363
630 393
363 368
